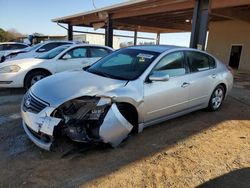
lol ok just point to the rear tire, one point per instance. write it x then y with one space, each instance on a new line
34 77
216 98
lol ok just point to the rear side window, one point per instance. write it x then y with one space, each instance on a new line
199 61
98 52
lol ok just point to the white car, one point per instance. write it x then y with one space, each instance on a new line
26 72
36 50
9 47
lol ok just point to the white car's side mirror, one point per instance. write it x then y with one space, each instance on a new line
66 56
159 76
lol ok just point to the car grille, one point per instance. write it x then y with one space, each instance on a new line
33 104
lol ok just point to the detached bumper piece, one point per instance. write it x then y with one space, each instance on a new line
115 127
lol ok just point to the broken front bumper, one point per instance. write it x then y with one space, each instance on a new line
40 143
38 126
114 129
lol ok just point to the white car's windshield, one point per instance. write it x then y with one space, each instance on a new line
124 64
53 53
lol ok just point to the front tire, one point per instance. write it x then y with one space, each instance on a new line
216 98
34 77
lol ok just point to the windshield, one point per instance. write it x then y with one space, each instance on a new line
53 53
124 64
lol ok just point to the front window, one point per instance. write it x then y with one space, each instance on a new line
80 52
124 64
53 53
172 64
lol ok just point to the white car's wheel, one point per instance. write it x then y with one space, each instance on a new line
34 77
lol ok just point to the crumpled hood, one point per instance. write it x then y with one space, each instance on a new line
61 87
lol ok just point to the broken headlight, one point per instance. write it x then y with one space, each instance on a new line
84 108
99 109
83 116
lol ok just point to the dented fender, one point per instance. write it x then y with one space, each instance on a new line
115 128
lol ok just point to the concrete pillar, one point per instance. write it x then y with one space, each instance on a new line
109 33
135 37
158 37
70 32
200 24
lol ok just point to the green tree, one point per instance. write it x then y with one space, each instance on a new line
11 35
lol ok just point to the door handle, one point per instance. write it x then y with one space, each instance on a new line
185 84
213 75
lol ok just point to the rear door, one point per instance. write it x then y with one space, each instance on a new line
202 77
163 98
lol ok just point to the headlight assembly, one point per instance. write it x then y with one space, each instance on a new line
85 108
10 69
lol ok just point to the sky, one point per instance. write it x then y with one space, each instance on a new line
30 16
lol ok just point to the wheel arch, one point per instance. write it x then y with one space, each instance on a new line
34 70
224 87
132 110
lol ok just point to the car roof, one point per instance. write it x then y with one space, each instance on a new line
92 45
155 48
13 43
56 41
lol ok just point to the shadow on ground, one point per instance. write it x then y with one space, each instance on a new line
238 178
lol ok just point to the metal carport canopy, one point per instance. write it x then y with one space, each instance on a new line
157 16
160 16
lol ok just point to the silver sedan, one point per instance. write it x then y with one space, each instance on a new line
123 93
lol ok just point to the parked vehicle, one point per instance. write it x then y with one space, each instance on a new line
123 93
8 47
26 72
36 50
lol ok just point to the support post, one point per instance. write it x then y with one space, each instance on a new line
109 33
158 37
135 37
70 32
200 24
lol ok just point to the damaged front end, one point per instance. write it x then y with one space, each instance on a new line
85 119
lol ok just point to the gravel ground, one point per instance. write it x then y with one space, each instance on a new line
200 149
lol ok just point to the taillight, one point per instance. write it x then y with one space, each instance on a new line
230 69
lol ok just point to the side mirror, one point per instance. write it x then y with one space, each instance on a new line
66 56
85 68
41 50
159 76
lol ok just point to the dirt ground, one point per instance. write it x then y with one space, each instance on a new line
202 149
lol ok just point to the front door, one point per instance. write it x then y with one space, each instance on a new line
74 59
163 98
